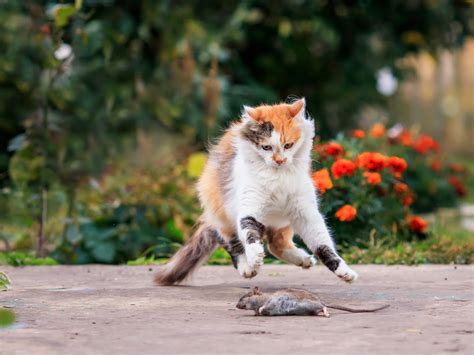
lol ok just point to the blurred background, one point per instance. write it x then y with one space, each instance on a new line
106 106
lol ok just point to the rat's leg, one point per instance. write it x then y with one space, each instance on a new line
280 244
324 311
310 225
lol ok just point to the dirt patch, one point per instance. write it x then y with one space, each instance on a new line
117 309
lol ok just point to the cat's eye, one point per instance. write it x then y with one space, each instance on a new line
266 147
288 145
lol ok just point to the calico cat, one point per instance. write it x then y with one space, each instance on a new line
256 187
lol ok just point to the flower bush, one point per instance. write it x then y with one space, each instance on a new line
376 182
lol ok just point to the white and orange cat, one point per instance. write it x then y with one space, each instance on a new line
256 187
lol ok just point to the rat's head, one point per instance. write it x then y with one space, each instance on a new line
251 300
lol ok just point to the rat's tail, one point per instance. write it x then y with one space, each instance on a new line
355 310
200 246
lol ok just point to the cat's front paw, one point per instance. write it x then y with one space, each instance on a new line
308 262
346 273
255 254
244 269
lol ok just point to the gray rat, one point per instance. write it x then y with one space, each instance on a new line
291 302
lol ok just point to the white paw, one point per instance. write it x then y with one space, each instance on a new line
255 254
244 269
308 262
346 273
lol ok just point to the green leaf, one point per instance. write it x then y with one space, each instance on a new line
73 234
62 14
104 252
7 318
4 282
196 164
175 233
16 143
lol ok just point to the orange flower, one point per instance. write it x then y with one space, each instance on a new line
397 165
425 143
322 181
373 178
405 138
334 149
377 130
342 167
346 213
400 187
45 29
407 200
435 165
457 168
358 133
417 224
458 185
371 161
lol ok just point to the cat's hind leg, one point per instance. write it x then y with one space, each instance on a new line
280 244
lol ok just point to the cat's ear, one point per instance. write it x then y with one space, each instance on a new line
297 108
250 113
256 291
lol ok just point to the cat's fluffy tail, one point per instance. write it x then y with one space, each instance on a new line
191 255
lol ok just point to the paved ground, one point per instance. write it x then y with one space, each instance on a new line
117 310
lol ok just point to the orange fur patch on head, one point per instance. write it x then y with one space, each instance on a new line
282 117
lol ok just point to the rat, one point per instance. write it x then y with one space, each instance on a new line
291 302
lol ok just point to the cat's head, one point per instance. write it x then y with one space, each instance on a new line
276 133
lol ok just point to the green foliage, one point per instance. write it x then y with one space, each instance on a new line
7 318
24 259
409 177
4 282
436 181
191 65
220 257
131 217
82 80
374 209
440 248
150 260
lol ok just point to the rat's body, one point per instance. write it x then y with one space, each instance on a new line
291 302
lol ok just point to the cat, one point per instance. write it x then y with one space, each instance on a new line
255 187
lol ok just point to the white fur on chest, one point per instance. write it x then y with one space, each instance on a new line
272 192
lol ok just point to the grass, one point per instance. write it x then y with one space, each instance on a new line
469 164
446 244
4 282
16 258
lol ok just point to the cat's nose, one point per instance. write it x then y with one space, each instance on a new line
280 161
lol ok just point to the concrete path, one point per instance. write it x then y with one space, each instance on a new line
117 310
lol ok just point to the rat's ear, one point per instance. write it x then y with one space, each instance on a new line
256 291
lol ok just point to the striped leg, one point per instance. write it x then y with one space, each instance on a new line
310 225
251 233
236 251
